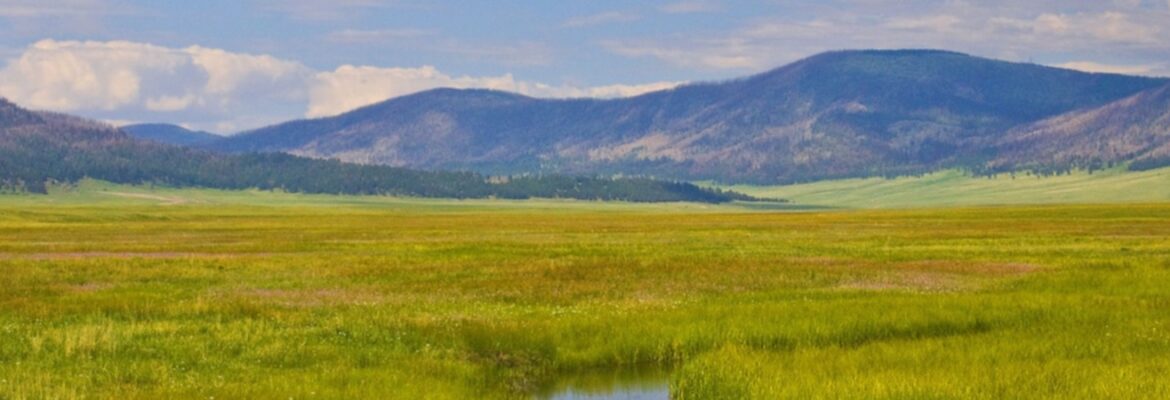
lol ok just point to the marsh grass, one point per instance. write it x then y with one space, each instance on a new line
201 300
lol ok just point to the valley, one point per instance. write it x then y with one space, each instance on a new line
834 115
312 296
896 224
953 188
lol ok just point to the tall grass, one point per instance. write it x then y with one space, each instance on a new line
244 301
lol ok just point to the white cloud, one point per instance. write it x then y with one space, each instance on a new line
599 19
349 87
1051 24
613 91
71 75
1105 27
138 81
229 73
1018 31
1089 66
120 122
222 91
1118 27
169 103
67 76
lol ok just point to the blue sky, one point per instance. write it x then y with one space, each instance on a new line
226 66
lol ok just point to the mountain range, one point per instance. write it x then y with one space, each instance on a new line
833 115
170 134
1135 129
39 148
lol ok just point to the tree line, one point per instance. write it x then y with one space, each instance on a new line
33 155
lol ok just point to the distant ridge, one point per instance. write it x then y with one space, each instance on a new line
834 115
170 134
1134 129
37 148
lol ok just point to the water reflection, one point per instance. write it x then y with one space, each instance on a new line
648 382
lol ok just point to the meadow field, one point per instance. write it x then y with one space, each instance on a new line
114 292
956 188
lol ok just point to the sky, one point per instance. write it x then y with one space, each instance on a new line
227 66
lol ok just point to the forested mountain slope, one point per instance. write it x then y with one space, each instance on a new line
37 147
170 134
839 114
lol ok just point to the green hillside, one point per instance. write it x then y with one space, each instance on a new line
102 194
832 116
38 148
955 188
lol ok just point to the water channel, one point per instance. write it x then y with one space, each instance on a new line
650 382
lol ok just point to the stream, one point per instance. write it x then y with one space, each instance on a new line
650 382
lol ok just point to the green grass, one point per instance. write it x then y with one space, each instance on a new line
99 193
256 295
955 188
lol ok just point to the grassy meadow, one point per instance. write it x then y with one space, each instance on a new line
115 292
955 188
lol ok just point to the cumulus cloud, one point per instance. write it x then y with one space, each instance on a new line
223 91
349 87
169 103
1090 66
72 75
232 73
119 78
67 76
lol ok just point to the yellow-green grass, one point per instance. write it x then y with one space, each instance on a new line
956 188
137 299
88 192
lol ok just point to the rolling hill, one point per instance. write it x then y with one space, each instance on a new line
170 134
1134 129
37 148
953 188
834 115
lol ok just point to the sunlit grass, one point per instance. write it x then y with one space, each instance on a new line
957 188
200 300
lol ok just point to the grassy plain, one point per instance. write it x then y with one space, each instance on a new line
200 294
956 188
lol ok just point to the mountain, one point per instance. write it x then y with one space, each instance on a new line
37 148
170 134
1136 128
834 115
